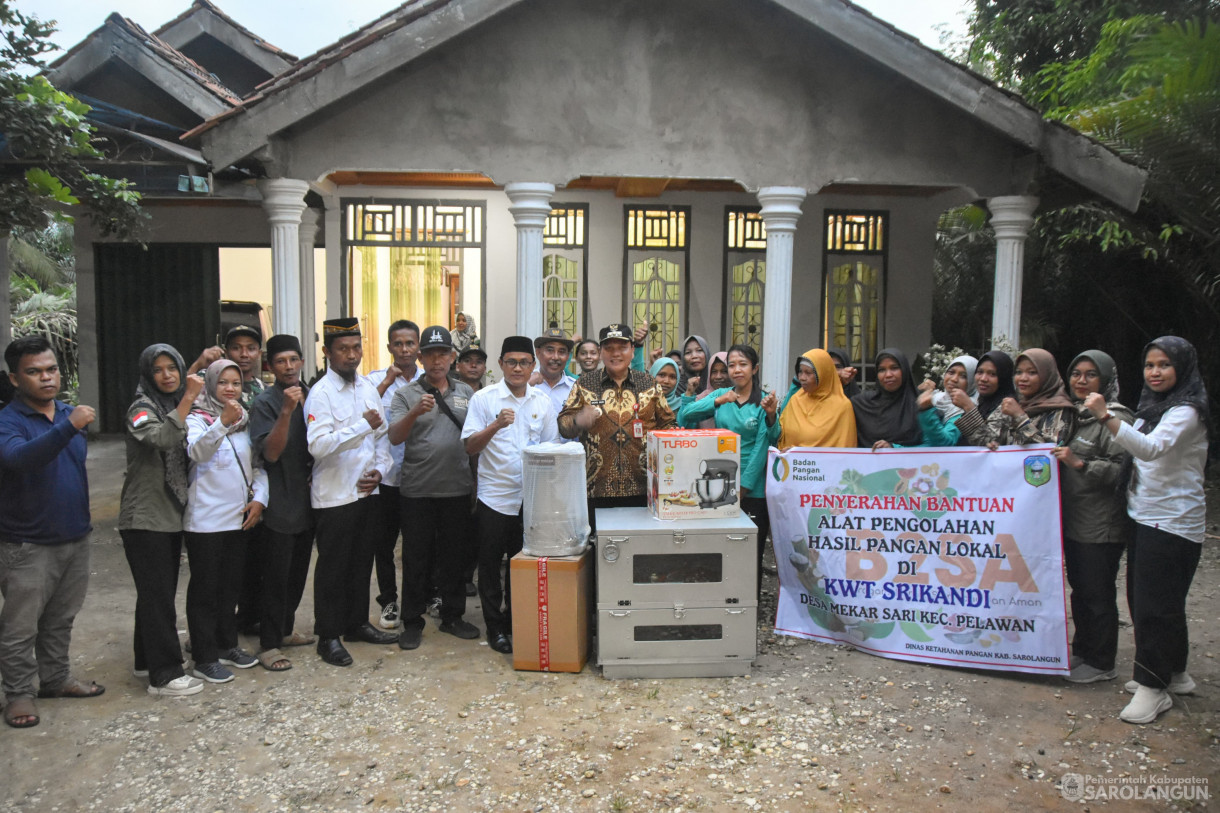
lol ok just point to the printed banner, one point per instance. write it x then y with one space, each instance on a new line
940 555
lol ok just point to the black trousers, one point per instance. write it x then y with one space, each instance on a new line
285 570
438 545
1092 573
216 561
500 535
154 559
1160 568
249 602
345 563
385 525
756 508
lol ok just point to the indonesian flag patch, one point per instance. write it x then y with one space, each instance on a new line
139 419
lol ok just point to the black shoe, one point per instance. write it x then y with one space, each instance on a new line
471 590
331 651
411 636
500 643
369 634
460 628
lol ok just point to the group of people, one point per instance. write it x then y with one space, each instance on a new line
249 477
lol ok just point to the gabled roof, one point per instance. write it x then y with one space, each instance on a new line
419 26
123 40
205 17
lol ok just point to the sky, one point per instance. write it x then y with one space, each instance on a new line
302 27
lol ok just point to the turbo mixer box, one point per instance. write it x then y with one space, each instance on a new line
694 473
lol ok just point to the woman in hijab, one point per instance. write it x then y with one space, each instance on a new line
938 414
1165 498
695 358
665 371
150 514
464 333
226 495
742 408
1042 411
1096 528
983 423
847 373
717 379
816 413
889 415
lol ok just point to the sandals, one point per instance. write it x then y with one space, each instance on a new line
274 661
21 713
73 687
299 639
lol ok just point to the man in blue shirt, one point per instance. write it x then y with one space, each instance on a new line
44 532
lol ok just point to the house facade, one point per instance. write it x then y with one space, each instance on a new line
759 171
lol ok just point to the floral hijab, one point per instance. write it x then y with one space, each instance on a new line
465 339
944 402
208 405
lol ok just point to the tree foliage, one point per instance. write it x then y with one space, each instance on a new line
1013 40
47 142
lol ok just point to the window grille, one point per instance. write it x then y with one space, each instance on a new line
854 264
657 257
564 260
745 275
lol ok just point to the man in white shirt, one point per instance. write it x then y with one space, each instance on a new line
403 344
502 420
346 433
554 348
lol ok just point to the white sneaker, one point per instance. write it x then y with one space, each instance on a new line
390 617
178 687
1089 674
1180 683
1146 706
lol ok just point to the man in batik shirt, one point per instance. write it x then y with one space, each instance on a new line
612 410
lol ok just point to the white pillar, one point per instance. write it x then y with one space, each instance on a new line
1011 217
309 314
781 207
530 205
284 200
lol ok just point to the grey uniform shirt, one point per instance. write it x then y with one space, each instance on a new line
434 459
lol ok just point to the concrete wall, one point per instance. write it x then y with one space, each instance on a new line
736 89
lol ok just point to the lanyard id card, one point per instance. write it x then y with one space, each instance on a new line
637 426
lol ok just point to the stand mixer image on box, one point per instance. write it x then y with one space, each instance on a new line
718 484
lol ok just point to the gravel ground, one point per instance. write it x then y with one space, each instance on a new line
451 727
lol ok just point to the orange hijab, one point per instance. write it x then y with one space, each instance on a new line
824 419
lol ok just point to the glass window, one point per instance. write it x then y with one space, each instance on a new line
745 253
657 256
854 265
565 254
416 260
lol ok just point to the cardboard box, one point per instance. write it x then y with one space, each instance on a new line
551 598
694 473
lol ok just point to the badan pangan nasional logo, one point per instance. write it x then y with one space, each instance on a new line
780 470
1037 470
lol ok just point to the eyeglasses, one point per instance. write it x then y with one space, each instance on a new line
1087 375
517 364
